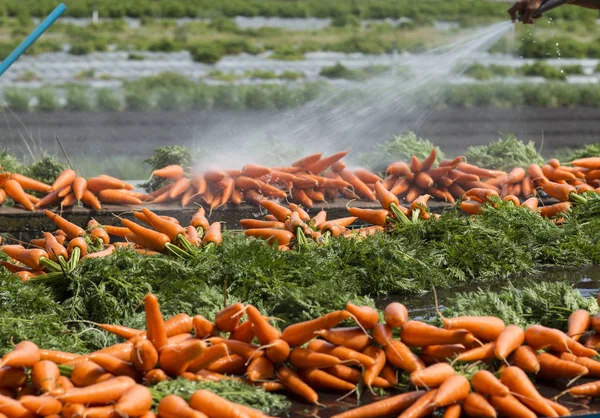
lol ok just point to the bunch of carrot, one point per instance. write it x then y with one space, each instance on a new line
306 358
67 190
307 181
293 226
164 234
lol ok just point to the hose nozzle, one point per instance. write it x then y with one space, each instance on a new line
546 6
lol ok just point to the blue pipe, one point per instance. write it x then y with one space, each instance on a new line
41 28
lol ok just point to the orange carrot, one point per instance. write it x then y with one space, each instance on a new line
395 314
24 354
278 352
592 163
389 406
280 212
476 405
28 183
153 239
303 357
471 207
558 191
174 406
422 407
359 187
144 356
99 393
478 171
41 405
366 316
343 353
382 334
481 353
89 199
551 367
44 376
511 407
552 210
519 384
261 368
14 190
486 328
155 326
114 365
401 356
13 408
486 383
257 223
280 236
294 384
170 229
399 169
265 332
64 179
593 366
227 319
373 216
324 163
453 390
302 332
525 358
351 337
174 359
54 248
118 197
511 338
322 380
579 322
419 334
171 172
432 376
202 327
531 203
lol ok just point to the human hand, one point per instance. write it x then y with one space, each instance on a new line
526 9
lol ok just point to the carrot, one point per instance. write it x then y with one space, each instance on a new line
79 186
478 171
558 191
14 409
422 407
343 353
41 405
134 402
57 357
28 183
389 406
366 316
579 323
592 163
322 380
372 372
155 376
531 203
257 223
484 352
44 376
525 358
400 356
14 190
144 356
174 406
516 175
155 326
3 197
511 407
68 201
395 314
454 389
24 354
253 170
64 179
120 330
282 237
382 334
400 187
486 328
152 239
293 383
114 365
203 327
54 248
89 199
519 384
170 229
312 194
86 373
476 405
265 332
453 411
593 366
398 168
423 180
486 383
350 337
72 230
97 184
280 212
261 368
359 187
99 393
562 411
419 334
551 367
302 332
432 376
324 163
278 352
228 318
118 197
373 216
551 211
171 172
179 187
511 338
303 357
307 161
244 332
591 389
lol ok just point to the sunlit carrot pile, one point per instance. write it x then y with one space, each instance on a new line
308 182
471 366
58 253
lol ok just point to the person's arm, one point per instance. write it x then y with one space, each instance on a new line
527 8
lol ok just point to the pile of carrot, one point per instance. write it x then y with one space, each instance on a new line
471 366
59 252
67 190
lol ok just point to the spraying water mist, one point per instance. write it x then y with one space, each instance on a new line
345 117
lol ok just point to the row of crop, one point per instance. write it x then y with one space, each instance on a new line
200 96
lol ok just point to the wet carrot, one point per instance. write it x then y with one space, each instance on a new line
419 334
294 383
342 353
118 197
454 389
481 353
99 393
171 172
519 384
486 383
373 216
41 405
551 367
302 332
531 203
395 314
401 356
13 408
64 179
579 323
525 358
155 326
24 354
476 405
352 337
282 237
422 407
324 163
174 406
321 380
511 338
432 376
14 190
359 186
486 328
278 351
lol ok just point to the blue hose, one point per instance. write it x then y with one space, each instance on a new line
41 28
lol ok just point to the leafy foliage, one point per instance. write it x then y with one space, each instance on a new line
506 153
9 162
547 303
400 148
590 150
164 156
47 169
